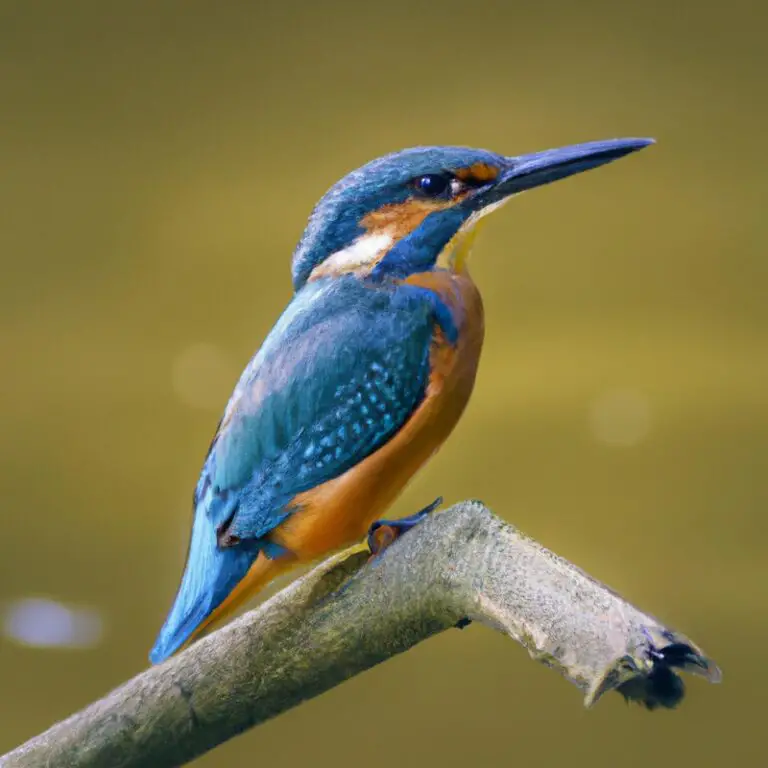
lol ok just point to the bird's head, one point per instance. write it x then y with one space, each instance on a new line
411 211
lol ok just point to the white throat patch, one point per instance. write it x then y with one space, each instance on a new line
366 251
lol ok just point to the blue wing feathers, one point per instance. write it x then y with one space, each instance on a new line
340 373
362 367
347 401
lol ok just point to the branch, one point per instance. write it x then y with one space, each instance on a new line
348 615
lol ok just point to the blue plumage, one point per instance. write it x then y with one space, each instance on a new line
297 420
364 371
418 251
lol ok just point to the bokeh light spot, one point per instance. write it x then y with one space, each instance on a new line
620 417
44 623
203 376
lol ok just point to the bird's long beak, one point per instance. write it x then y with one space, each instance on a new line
529 171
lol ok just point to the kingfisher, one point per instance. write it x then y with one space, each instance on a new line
362 378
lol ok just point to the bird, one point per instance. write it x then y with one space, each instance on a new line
363 376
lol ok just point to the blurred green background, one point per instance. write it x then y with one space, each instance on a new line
159 160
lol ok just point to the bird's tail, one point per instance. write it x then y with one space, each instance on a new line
216 582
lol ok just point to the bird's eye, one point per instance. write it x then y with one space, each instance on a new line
431 184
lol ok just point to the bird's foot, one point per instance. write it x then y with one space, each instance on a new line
383 532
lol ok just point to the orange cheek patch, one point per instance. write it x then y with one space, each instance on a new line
400 219
478 173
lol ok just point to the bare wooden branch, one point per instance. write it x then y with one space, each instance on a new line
349 614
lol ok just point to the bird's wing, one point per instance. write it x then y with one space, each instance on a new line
340 373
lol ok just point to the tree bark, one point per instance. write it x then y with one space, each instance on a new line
349 614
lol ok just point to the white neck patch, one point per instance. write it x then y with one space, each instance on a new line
365 251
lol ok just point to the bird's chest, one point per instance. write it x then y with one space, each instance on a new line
453 365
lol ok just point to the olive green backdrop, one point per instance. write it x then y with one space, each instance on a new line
157 164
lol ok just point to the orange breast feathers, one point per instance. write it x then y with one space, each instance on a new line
340 511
